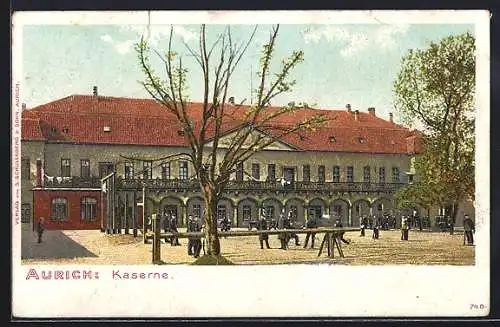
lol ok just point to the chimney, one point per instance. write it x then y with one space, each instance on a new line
356 115
391 118
231 100
371 110
348 107
94 89
23 106
39 177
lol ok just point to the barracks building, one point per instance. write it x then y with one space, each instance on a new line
351 167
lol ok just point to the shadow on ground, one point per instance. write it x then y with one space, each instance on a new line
55 245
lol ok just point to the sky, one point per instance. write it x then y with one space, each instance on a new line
343 63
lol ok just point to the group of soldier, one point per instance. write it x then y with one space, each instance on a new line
194 243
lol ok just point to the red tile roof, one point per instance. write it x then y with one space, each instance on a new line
83 118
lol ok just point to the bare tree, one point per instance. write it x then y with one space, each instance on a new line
254 127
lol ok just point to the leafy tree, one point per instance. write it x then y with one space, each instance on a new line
435 90
255 127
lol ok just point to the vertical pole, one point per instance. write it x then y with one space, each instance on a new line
102 209
126 214
235 216
108 206
156 239
134 214
349 210
144 215
184 214
113 208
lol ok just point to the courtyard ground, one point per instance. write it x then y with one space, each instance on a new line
94 247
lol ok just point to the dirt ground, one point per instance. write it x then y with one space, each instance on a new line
94 247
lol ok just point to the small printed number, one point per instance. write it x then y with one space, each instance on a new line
477 306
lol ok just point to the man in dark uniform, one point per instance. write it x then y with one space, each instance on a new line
190 228
283 237
174 241
166 225
341 235
263 236
375 228
289 225
404 228
40 228
197 240
362 225
469 229
311 224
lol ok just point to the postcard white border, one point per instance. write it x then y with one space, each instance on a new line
410 291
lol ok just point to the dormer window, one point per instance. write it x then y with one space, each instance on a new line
181 132
65 130
107 128
332 139
53 130
362 140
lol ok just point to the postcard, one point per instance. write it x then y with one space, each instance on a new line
250 164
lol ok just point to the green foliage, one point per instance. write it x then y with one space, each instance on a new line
435 90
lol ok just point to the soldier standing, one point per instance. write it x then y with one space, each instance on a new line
263 236
166 225
197 239
469 229
282 236
311 224
190 228
362 225
174 241
40 228
404 228
375 234
289 225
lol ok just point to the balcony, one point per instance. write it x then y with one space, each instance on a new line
72 182
233 186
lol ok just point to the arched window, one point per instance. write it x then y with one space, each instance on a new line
59 209
88 209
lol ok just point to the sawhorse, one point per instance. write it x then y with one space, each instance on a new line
332 242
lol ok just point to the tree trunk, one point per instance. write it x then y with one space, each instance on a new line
454 211
211 234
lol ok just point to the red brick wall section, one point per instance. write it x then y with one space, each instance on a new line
42 207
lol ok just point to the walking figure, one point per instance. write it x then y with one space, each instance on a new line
310 224
341 234
404 228
289 225
469 229
263 237
40 228
197 239
174 241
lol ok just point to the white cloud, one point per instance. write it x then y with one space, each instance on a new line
107 38
353 43
153 34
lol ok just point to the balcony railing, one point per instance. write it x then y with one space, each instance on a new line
72 182
192 185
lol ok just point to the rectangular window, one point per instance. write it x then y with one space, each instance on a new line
271 172
25 168
321 174
337 210
306 173
25 213
183 170
315 212
105 168
336 174
350 174
239 171
59 209
88 209
256 171
221 212
129 170
410 179
165 170
147 170
293 212
395 174
366 174
85 168
65 168
197 210
381 175
247 213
